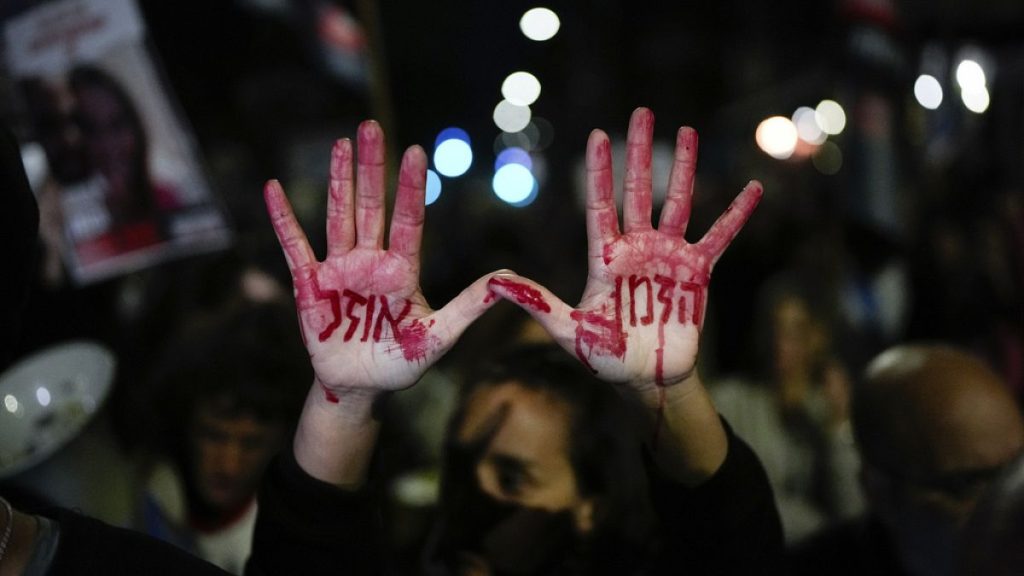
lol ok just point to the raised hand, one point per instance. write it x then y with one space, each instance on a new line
642 310
363 317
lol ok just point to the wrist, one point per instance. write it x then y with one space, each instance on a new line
657 396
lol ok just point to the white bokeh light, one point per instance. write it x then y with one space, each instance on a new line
970 76
807 127
513 183
928 91
830 117
521 88
539 24
433 191
777 137
976 100
510 117
43 396
453 157
11 403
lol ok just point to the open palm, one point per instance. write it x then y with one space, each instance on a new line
363 316
642 310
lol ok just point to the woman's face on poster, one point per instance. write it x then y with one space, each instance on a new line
111 140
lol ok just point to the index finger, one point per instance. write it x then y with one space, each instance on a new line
289 234
602 218
731 221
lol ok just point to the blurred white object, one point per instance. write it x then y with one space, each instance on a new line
47 399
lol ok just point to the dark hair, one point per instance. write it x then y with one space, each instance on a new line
605 448
83 77
246 361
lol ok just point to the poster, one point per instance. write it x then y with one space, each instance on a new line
122 186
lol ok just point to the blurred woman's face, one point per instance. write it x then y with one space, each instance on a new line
527 460
110 139
792 337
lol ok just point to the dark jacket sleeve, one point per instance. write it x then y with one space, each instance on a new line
305 526
88 546
727 525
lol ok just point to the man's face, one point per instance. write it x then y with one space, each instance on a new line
229 455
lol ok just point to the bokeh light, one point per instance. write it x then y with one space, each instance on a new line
433 187
828 159
970 76
453 154
513 183
521 88
539 24
514 155
928 91
830 117
43 396
807 127
777 137
510 117
976 100
11 403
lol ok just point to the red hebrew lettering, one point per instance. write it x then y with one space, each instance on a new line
385 314
369 316
335 300
665 296
353 300
691 303
635 283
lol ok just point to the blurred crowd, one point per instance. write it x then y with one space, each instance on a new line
211 372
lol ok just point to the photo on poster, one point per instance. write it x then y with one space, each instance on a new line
122 187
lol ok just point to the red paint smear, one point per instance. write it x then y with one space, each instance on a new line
659 381
607 254
491 295
328 395
526 295
335 299
601 335
413 340
665 296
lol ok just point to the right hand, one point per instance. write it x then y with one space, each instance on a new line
364 319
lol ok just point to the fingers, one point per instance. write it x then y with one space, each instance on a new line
407 221
731 221
637 198
370 186
546 308
341 225
458 314
289 234
602 218
675 214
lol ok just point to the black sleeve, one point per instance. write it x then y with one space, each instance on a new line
88 546
305 526
727 525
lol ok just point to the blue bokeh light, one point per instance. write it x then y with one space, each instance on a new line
513 155
433 187
453 152
513 183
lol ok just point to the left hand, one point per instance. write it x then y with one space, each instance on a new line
642 310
